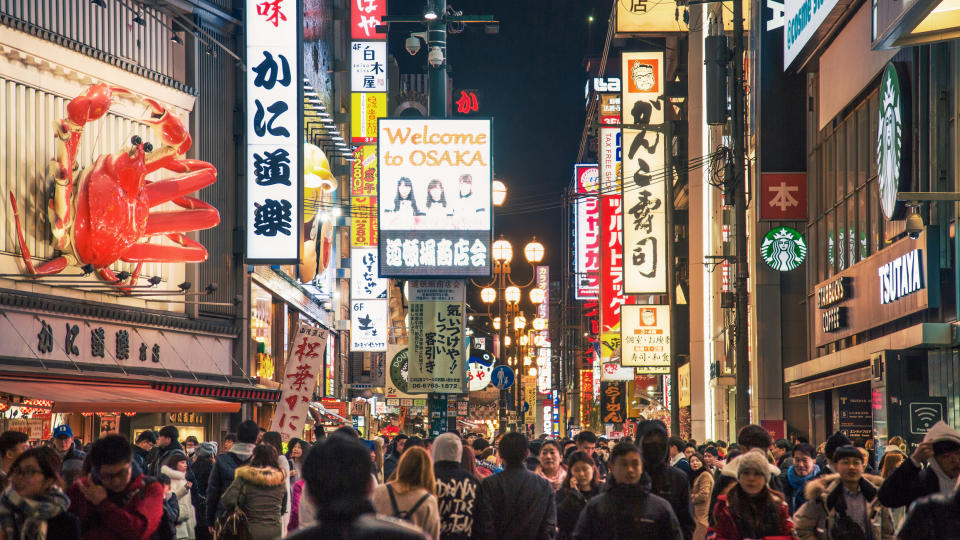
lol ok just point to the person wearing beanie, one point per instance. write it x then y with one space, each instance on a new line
940 450
750 509
665 481
457 491
844 504
749 437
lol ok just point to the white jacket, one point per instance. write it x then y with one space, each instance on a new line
188 519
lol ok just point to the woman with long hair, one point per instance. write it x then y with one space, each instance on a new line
405 203
551 466
175 467
750 509
468 461
377 456
411 495
258 489
581 484
274 439
296 450
436 200
34 507
893 457
701 486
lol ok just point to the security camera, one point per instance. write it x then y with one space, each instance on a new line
914 224
435 58
412 45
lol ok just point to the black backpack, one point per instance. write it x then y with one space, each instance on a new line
405 515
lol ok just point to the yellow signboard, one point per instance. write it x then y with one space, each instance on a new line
365 109
658 17
683 374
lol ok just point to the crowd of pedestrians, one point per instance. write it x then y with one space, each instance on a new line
465 488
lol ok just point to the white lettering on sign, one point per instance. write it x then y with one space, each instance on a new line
802 18
900 277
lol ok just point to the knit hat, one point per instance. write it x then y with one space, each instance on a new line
753 461
847 451
835 441
206 449
447 447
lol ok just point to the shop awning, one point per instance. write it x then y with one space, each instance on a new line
69 397
828 382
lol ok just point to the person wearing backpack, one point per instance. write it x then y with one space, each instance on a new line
411 495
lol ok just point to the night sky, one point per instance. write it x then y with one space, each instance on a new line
531 77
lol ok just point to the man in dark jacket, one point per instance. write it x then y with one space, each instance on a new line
516 504
116 500
341 495
146 440
391 461
940 450
936 517
167 443
63 443
226 466
627 509
457 491
667 482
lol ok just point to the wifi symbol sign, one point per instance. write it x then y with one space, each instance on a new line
923 416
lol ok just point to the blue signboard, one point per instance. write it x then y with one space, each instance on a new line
502 377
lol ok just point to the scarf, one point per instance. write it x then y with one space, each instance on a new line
755 515
30 516
242 450
947 485
556 481
797 482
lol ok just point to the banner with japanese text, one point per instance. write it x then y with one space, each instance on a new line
365 17
646 338
542 342
611 273
304 363
586 396
613 402
363 197
644 185
274 132
587 231
437 363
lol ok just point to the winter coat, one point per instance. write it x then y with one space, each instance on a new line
458 495
673 485
794 484
141 456
826 503
626 512
221 477
390 464
907 484
296 495
726 528
516 504
260 493
132 514
188 517
728 477
358 521
425 513
700 496
201 469
570 503
158 456
933 518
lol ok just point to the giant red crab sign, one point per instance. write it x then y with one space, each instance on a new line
103 214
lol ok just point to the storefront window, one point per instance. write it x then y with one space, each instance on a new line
261 332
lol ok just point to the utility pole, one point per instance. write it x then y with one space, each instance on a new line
671 275
437 37
742 413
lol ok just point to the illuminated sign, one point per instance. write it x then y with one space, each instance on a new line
368 66
900 277
645 264
365 280
650 17
363 197
434 197
610 147
368 325
783 249
893 156
365 110
437 362
803 18
274 132
833 292
467 102
544 351
601 85
646 338
587 232
611 265
365 16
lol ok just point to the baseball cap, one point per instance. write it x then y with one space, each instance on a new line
62 430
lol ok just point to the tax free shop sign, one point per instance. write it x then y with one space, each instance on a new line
434 197
803 18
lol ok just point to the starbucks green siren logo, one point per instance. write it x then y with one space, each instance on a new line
398 370
783 249
890 150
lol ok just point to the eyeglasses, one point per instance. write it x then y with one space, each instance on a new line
27 472
119 475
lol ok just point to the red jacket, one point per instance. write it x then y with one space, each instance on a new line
725 528
131 515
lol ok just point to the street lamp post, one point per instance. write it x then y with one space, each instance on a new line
506 293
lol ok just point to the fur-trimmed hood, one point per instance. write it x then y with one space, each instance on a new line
173 473
825 485
261 476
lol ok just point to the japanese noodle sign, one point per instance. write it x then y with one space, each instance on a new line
613 402
437 363
273 129
303 364
645 264
434 196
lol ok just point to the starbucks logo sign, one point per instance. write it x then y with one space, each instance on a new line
893 156
783 249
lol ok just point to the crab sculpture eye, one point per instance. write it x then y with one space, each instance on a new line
147 147
136 140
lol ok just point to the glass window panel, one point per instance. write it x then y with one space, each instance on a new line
840 248
853 150
829 244
839 163
865 144
831 173
853 248
872 118
863 229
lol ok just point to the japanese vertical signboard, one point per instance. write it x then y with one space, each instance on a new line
365 280
366 108
611 271
610 147
544 349
303 365
646 338
274 131
368 66
645 238
365 17
437 363
783 196
368 325
587 231
586 396
613 402
434 196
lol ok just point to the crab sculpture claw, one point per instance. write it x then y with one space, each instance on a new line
171 130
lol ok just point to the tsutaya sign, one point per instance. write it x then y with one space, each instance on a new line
889 285
900 277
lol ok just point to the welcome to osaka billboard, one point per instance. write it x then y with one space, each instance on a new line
434 197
